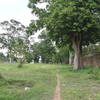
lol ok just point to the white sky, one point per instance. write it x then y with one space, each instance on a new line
18 10
15 9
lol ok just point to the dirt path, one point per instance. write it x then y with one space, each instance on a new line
58 89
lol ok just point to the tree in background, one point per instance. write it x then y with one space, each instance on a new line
14 38
43 49
46 47
35 52
76 21
3 58
18 50
61 55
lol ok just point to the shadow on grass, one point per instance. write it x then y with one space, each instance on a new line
20 83
15 83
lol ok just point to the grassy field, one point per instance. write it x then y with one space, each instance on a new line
41 79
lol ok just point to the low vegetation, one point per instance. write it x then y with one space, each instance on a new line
38 81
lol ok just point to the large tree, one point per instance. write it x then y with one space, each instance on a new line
76 21
14 38
10 30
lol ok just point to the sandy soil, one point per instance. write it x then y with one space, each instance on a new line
58 89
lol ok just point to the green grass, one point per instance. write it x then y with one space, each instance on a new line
80 85
41 78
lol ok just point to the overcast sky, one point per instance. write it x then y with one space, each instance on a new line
18 10
15 9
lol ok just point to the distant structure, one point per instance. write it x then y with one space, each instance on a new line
91 60
40 59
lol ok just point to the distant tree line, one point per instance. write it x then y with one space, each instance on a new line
15 38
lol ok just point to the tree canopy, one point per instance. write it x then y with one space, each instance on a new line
69 21
14 39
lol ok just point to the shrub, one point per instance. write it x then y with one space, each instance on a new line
20 65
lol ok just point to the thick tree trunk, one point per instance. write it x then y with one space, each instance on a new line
76 47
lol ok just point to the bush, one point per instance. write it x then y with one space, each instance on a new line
20 65
21 62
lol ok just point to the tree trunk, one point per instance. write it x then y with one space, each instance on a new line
10 60
76 47
70 58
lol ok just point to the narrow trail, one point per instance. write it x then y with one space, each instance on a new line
58 89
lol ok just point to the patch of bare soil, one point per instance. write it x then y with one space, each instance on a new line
58 89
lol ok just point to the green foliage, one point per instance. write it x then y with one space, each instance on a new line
29 56
73 17
35 52
45 49
63 19
48 51
73 22
15 39
21 61
61 55
18 49
3 58
11 29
